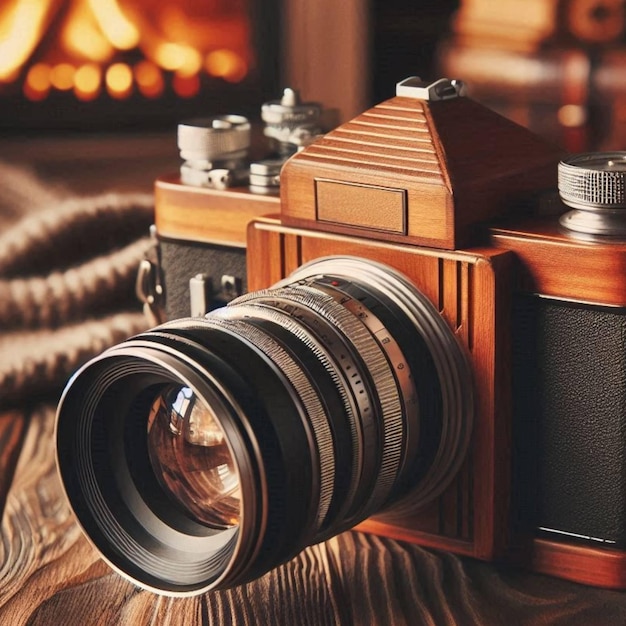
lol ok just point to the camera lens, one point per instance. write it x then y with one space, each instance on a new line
206 451
190 457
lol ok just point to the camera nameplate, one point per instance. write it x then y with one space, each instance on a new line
369 207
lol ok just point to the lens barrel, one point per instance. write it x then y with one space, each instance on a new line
206 451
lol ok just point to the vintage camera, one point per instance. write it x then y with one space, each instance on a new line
423 347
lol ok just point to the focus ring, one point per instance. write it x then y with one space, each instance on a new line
259 310
313 408
377 367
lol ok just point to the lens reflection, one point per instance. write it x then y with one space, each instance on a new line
191 459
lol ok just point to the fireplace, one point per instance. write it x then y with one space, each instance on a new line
101 64
137 64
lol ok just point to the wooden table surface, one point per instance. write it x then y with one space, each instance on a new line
50 575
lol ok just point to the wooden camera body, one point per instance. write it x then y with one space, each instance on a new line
448 193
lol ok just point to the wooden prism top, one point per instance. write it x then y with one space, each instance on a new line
417 171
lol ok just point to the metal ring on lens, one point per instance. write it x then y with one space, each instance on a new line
137 544
452 366
313 408
377 369
385 339
354 407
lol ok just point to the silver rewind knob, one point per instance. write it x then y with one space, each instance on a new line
594 186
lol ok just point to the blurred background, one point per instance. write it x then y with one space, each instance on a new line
93 82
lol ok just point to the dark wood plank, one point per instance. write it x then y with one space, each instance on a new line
12 428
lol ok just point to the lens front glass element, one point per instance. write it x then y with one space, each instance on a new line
191 459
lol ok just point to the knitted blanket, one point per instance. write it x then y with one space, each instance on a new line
67 276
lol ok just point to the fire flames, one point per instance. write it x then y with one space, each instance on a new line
121 47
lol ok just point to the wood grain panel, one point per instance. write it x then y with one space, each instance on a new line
554 264
208 215
12 428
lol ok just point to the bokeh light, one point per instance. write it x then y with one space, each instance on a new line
226 64
119 80
87 81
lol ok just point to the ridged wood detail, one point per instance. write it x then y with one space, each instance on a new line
397 139
457 162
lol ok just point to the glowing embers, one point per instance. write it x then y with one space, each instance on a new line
119 80
87 82
149 79
122 47
226 64
38 82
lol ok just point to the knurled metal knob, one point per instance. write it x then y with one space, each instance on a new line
213 138
594 185
593 180
290 122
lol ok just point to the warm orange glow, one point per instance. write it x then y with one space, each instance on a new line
87 82
119 80
116 27
72 44
226 64
62 76
38 77
82 37
572 115
19 34
186 86
178 57
37 84
149 79
192 63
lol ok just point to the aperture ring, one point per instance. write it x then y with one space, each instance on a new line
451 364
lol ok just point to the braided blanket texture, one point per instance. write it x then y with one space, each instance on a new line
67 274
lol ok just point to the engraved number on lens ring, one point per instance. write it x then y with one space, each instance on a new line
312 406
377 366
